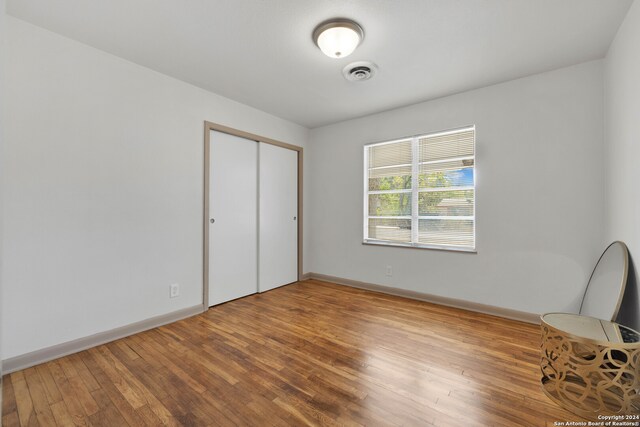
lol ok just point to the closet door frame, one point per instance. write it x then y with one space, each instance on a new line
208 127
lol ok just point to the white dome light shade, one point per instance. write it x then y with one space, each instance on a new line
338 42
338 38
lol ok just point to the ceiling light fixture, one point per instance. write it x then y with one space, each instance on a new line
338 37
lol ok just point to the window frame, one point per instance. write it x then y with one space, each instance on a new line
415 192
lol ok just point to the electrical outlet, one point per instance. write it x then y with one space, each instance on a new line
389 271
174 290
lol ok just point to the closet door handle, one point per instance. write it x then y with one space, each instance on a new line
295 217
212 220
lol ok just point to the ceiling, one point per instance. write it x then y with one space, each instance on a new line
260 52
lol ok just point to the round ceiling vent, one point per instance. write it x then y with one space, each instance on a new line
359 71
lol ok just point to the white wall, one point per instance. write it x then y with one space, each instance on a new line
103 198
2 23
622 142
539 193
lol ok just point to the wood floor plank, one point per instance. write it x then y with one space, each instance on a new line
61 414
119 381
50 387
107 417
114 394
69 397
85 375
153 354
8 396
39 397
10 419
311 353
26 412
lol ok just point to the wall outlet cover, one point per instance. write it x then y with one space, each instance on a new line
174 290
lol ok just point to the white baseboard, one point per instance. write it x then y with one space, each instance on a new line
50 353
54 352
507 313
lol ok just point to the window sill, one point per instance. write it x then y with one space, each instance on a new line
428 247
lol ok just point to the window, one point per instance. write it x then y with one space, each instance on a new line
420 191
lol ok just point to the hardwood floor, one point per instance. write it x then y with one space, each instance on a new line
311 353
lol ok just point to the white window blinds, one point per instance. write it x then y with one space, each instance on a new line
420 191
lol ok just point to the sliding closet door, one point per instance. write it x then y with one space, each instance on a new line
278 253
233 217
